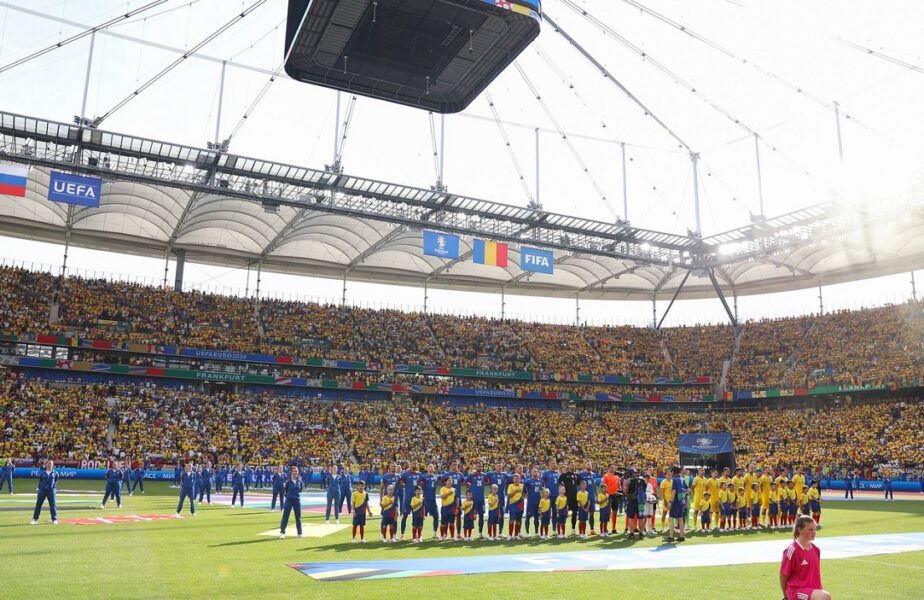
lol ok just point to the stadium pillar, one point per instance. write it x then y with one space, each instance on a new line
86 83
537 165
259 278
837 122
914 290
694 156
654 311
426 296
180 265
221 97
821 301
760 182
625 185
343 298
577 310
503 305
735 302
67 238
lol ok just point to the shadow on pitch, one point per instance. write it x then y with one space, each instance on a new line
243 543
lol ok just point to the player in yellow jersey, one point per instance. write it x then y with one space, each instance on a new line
561 515
738 479
603 508
763 482
798 481
448 510
698 487
583 503
814 496
713 486
773 506
493 514
389 515
545 514
664 489
360 507
515 507
418 512
704 510
750 477
468 515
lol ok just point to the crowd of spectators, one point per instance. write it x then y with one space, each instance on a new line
134 422
879 346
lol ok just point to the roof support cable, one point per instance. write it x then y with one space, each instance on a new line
513 155
762 70
564 137
97 121
79 36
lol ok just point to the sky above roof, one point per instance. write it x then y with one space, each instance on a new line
774 67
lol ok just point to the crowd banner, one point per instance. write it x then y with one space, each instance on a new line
72 473
876 485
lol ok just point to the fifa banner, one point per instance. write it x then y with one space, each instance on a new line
75 189
441 245
705 443
537 261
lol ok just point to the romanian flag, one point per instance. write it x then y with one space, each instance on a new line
13 179
490 253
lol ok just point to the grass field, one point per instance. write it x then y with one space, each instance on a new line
220 555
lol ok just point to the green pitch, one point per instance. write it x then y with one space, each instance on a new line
219 554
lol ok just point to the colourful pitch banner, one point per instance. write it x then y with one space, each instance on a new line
441 245
536 260
490 253
75 189
13 179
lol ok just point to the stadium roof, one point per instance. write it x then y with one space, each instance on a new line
224 208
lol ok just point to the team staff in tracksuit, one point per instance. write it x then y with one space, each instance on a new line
113 486
205 483
6 476
187 490
279 485
47 489
138 480
126 482
293 490
237 484
332 481
346 489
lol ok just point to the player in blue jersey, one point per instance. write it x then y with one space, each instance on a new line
279 484
125 484
550 480
501 479
410 481
177 471
476 482
389 478
47 490
533 485
429 481
187 490
293 494
113 486
205 483
590 477
456 477
220 475
237 485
